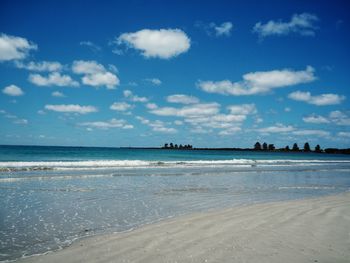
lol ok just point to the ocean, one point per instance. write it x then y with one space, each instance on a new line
51 196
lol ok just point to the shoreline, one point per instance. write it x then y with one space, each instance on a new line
306 230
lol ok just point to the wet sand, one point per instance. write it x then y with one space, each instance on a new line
310 230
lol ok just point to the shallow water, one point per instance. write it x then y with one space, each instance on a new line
76 196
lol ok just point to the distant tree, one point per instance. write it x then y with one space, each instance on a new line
257 146
264 146
166 145
271 147
318 148
307 147
176 146
295 147
171 145
180 146
287 148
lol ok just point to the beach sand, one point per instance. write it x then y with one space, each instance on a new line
312 230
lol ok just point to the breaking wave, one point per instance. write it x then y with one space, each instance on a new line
17 166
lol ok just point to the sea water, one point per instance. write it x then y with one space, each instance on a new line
51 196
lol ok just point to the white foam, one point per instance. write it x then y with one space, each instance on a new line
107 164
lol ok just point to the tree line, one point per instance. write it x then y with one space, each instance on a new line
295 148
175 146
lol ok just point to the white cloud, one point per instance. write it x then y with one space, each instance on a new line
319 133
319 100
53 79
339 118
212 29
230 131
151 106
203 117
154 81
259 82
14 48
105 125
278 128
90 45
194 110
162 43
287 109
157 126
243 109
71 108
200 130
181 98
178 122
57 94
302 24
224 29
20 121
336 117
121 106
317 119
42 66
344 134
128 94
164 129
13 90
95 74
14 118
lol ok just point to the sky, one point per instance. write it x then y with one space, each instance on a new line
145 73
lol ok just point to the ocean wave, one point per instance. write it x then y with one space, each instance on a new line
16 166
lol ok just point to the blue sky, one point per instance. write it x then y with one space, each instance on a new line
142 73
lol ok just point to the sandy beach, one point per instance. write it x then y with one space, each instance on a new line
311 230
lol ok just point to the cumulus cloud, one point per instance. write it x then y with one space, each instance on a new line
121 106
317 119
105 125
57 94
53 79
151 106
162 43
278 128
95 74
243 109
14 48
319 133
42 66
71 108
129 95
344 134
181 98
154 81
230 131
194 110
157 125
259 82
13 90
302 24
319 100
336 117
207 116
339 118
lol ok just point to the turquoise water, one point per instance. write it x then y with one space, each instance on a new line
51 196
